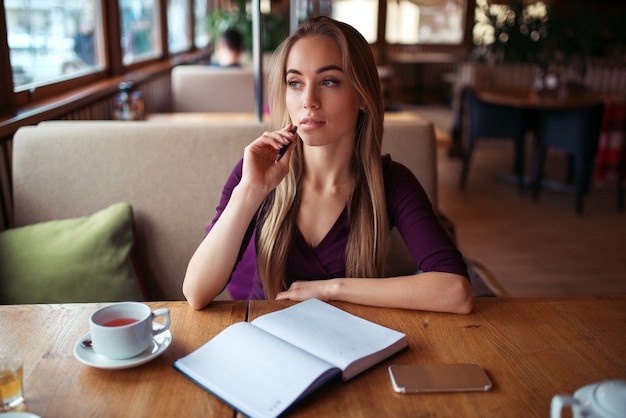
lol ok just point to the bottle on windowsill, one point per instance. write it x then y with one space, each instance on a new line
539 80
123 110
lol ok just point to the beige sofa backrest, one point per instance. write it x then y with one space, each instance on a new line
202 88
172 175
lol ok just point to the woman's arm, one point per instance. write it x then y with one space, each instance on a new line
443 286
432 291
212 263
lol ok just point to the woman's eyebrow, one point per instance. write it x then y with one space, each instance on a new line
318 71
329 68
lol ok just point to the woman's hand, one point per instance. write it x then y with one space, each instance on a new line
260 168
303 290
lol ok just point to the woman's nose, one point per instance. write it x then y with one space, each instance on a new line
311 99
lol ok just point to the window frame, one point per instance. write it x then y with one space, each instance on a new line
112 51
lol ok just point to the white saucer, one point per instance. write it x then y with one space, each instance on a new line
18 415
91 358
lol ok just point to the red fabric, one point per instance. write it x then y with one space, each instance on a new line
611 145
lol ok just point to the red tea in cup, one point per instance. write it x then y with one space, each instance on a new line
120 322
125 329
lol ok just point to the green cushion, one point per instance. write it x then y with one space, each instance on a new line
86 259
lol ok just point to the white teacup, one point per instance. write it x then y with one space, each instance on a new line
605 399
125 329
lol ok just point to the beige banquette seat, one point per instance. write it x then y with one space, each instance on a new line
203 88
171 174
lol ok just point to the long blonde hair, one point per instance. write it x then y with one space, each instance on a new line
367 243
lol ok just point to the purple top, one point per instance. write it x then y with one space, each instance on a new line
408 208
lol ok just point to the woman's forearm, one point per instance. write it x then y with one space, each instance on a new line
212 263
439 292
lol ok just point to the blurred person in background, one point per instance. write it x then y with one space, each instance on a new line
229 48
84 43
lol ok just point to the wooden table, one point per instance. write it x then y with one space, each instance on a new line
528 98
58 385
530 348
532 104
611 154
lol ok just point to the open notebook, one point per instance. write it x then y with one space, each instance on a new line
262 367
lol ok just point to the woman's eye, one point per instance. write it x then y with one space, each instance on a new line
294 84
329 83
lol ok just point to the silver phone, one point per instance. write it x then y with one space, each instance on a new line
420 378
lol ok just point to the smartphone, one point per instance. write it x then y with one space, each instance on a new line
421 378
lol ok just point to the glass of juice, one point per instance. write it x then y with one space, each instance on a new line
11 377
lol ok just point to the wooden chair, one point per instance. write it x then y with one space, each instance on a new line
610 163
576 132
492 121
621 179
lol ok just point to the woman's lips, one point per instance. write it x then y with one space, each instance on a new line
311 123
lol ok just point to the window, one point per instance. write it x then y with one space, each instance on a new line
177 23
403 18
201 35
51 41
425 21
408 21
140 38
360 14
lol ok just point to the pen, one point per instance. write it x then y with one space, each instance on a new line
283 149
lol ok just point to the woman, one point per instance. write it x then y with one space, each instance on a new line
315 223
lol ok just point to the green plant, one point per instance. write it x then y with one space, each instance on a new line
517 33
539 33
220 19
275 26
